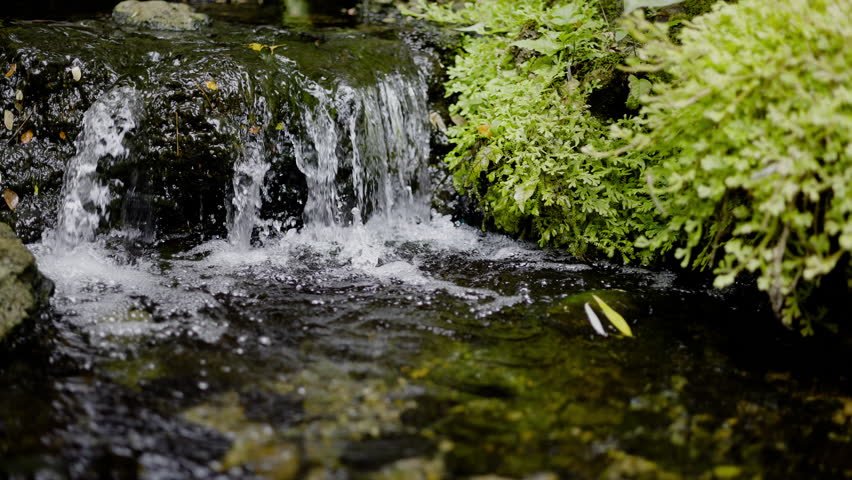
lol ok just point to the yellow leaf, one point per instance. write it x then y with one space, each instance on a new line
62 135
211 85
11 71
614 317
27 136
727 471
11 198
256 46
484 130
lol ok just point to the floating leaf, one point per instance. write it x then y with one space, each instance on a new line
614 317
594 320
211 85
11 71
76 74
256 46
280 126
35 189
63 136
8 119
27 136
630 5
11 199
254 129
18 107
19 95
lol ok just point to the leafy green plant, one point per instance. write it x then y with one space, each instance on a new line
751 121
521 84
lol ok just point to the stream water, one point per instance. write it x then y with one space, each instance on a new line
370 336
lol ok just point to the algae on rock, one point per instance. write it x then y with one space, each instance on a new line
22 288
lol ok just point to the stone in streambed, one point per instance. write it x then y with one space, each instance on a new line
159 15
22 288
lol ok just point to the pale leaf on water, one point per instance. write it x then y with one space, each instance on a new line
76 73
19 95
594 320
614 317
8 119
11 199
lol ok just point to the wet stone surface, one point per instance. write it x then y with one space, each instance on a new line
454 355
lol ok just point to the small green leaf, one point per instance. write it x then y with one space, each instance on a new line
614 317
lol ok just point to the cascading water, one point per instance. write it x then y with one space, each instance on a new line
249 172
84 199
384 131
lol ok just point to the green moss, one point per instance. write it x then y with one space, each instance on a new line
18 277
751 126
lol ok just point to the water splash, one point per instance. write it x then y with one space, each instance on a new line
84 199
249 172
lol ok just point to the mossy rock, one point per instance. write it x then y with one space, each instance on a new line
159 15
22 288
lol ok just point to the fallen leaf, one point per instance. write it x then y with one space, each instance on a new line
280 126
19 95
11 71
484 129
62 135
211 85
27 136
458 120
11 199
594 320
256 46
8 119
35 189
76 74
254 129
437 122
614 317
19 107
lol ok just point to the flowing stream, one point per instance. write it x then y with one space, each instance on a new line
328 323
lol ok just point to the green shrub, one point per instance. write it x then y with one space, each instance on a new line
752 126
521 85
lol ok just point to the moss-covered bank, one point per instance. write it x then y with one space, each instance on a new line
22 288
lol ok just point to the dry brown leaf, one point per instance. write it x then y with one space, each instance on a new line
11 199
11 71
27 136
8 119
254 129
62 135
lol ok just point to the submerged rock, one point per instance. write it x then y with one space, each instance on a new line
159 15
22 288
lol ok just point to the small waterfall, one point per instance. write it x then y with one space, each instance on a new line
317 157
249 172
385 129
84 199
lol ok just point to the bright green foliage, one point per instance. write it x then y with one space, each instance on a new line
753 129
521 86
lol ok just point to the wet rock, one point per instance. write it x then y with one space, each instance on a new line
22 288
159 15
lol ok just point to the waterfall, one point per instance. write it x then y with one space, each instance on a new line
249 172
381 132
84 199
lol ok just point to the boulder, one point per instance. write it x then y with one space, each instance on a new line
22 288
159 15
